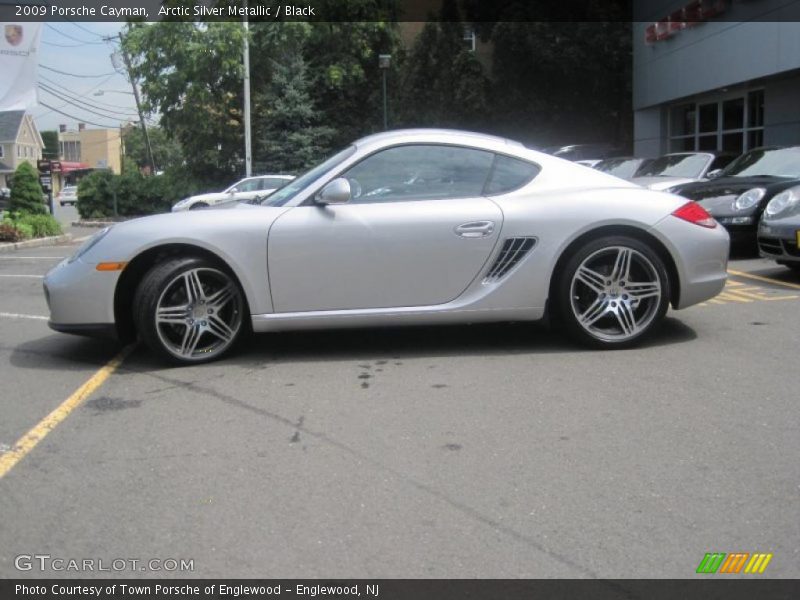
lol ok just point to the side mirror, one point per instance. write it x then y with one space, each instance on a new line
334 192
233 190
714 174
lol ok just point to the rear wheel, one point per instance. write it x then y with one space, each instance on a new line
188 310
613 292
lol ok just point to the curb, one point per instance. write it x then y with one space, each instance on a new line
92 223
36 243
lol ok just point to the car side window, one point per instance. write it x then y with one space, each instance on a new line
509 174
721 162
419 172
249 185
273 183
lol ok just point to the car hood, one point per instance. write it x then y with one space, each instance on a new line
662 183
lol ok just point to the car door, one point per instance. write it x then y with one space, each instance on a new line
247 189
416 232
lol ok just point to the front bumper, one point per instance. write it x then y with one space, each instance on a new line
80 298
779 242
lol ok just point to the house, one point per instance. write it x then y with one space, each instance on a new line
95 148
20 142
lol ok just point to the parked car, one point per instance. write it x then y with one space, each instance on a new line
624 167
738 197
246 189
577 152
68 195
403 227
677 168
779 230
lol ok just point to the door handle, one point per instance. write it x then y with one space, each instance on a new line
475 229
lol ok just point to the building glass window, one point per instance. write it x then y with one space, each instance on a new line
733 124
469 38
2 151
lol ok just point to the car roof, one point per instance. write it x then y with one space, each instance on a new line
431 135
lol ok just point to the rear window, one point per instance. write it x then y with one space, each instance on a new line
509 174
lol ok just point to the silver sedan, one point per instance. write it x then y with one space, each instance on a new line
405 227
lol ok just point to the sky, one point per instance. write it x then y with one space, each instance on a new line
78 48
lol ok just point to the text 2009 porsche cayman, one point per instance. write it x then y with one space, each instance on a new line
405 227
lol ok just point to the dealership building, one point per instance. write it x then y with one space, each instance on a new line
716 75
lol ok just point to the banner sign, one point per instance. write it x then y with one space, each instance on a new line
19 61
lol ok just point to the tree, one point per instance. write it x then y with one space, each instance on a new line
50 139
444 84
191 73
26 193
556 79
290 134
167 151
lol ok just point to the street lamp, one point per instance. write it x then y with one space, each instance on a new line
384 62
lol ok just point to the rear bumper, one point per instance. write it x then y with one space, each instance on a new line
700 256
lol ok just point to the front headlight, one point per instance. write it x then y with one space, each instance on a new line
89 244
749 199
783 204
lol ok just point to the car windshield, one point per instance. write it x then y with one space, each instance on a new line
286 193
619 167
770 162
676 165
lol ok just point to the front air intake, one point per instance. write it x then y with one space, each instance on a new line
513 251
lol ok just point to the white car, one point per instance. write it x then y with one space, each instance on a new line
68 195
246 189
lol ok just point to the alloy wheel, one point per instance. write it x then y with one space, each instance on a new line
199 314
615 293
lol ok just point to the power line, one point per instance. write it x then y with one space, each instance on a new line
94 87
67 91
111 114
79 26
79 119
75 74
46 43
74 39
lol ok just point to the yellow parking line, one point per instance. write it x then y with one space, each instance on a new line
28 441
794 286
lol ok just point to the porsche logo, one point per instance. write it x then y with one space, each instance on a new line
13 34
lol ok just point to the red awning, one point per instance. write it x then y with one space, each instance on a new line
67 166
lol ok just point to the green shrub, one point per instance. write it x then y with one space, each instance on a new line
136 195
26 193
9 233
29 226
42 225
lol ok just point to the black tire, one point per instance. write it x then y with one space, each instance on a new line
163 279
198 205
648 311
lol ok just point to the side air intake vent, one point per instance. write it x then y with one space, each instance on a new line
513 251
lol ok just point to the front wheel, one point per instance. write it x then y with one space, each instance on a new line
613 292
188 310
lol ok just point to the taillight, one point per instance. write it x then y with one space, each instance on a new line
694 213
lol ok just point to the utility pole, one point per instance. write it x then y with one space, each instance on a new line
127 60
248 143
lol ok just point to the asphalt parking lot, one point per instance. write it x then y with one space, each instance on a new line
485 451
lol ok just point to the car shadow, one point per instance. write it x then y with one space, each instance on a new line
501 339
65 352
61 352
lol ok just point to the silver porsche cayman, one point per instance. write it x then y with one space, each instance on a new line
405 227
